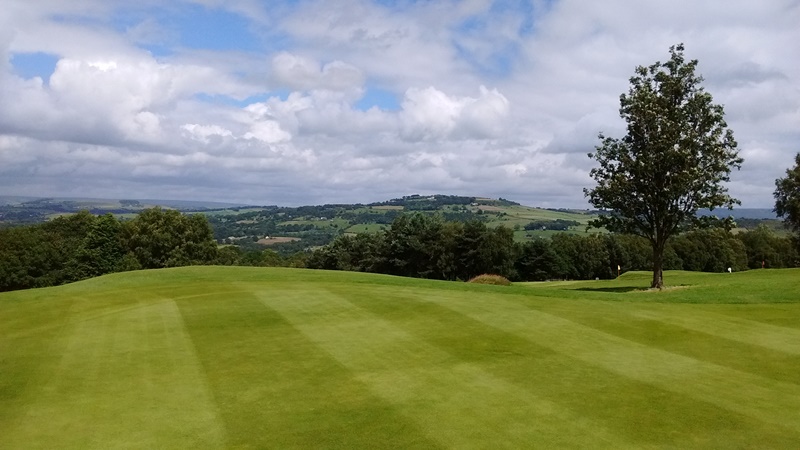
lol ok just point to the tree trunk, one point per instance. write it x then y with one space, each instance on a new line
658 267
658 276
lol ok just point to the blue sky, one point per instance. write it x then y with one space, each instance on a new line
302 102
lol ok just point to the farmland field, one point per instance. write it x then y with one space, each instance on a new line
217 357
277 240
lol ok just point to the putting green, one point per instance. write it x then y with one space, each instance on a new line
217 357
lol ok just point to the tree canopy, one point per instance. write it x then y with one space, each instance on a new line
787 196
674 159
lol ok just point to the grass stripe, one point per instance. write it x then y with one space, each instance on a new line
136 355
758 397
30 346
456 402
276 389
749 332
710 335
661 419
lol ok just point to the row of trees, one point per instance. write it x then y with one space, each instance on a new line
429 247
79 246
424 246
83 245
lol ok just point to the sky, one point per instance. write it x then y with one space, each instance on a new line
299 102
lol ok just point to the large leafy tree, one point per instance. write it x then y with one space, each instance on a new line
674 159
787 196
159 238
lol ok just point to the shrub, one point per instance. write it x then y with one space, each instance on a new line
497 280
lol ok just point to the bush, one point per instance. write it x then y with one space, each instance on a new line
497 280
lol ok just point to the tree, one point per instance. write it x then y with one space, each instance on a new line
102 249
159 238
787 196
538 261
673 160
414 246
766 249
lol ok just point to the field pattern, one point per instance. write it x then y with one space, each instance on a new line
218 357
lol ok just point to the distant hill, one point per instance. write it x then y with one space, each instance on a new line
312 226
22 210
318 225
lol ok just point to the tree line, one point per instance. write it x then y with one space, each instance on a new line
425 246
79 246
82 245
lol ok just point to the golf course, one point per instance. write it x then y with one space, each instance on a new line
236 357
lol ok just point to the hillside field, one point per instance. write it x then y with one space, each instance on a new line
219 357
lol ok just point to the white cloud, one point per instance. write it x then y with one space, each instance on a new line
205 133
430 114
301 73
267 131
104 100
485 115
283 123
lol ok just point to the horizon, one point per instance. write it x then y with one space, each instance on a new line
216 204
304 103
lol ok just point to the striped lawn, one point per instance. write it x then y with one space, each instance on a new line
217 357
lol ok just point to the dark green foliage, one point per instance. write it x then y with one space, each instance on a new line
557 225
479 249
229 255
787 196
372 216
418 202
359 253
588 256
44 255
166 238
766 249
627 252
414 246
709 250
674 159
538 261
423 246
78 246
102 250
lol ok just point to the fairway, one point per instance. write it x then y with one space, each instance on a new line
234 357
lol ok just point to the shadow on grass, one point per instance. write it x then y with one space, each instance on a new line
612 289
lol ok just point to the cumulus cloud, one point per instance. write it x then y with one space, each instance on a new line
103 100
363 100
267 131
299 73
205 133
430 114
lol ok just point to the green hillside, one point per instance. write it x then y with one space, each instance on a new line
318 225
217 357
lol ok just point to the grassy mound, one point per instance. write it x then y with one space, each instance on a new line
496 280
281 358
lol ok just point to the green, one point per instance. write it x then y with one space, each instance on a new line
233 357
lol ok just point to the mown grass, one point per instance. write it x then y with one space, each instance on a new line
213 357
